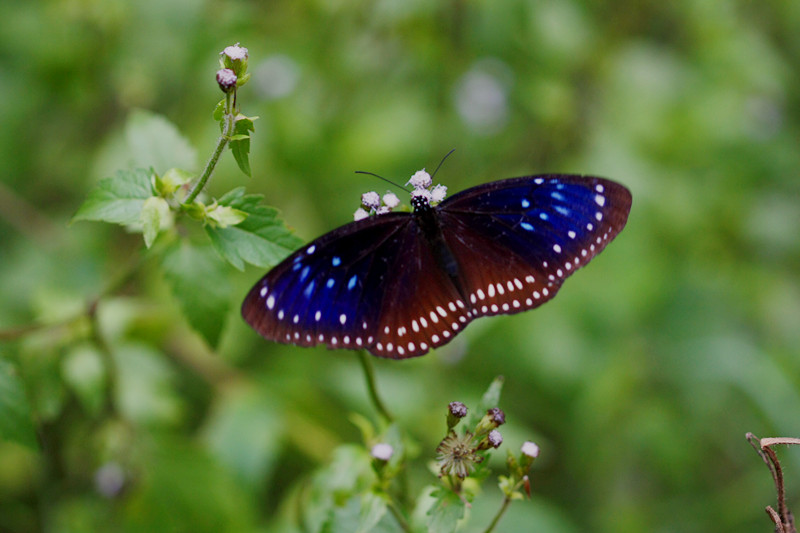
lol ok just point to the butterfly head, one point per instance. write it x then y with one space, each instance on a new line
424 195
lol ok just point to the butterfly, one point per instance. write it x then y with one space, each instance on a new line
399 284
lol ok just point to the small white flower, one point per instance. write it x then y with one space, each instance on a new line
360 214
235 52
438 193
382 210
382 451
371 200
495 438
530 449
420 180
391 200
425 193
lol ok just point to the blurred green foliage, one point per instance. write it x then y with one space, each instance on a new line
639 381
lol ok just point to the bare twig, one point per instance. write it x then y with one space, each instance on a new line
782 518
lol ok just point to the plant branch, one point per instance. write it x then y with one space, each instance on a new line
499 515
398 515
222 142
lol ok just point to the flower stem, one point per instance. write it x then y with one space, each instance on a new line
369 374
398 515
499 515
222 142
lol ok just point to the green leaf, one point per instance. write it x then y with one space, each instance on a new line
373 507
240 142
200 283
261 239
445 513
16 424
118 200
172 180
491 398
245 432
223 216
156 142
144 391
154 217
83 370
219 110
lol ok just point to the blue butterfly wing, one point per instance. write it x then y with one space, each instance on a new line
371 284
517 240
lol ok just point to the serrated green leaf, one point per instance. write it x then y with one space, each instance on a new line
262 239
445 513
153 217
119 199
199 281
156 142
240 142
16 424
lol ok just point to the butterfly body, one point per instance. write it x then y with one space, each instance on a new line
399 284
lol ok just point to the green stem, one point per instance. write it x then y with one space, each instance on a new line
401 520
499 515
369 374
222 142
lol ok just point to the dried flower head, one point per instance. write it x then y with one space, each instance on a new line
457 455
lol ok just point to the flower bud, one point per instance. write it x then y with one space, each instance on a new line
530 449
495 438
493 418
371 200
420 180
382 451
226 78
455 412
438 193
391 200
235 58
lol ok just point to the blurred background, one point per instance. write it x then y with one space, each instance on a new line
638 382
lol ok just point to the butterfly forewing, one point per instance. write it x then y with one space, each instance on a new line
371 285
330 291
517 240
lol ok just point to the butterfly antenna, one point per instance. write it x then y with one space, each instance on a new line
381 178
442 162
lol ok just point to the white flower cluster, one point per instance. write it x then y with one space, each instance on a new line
371 204
422 181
